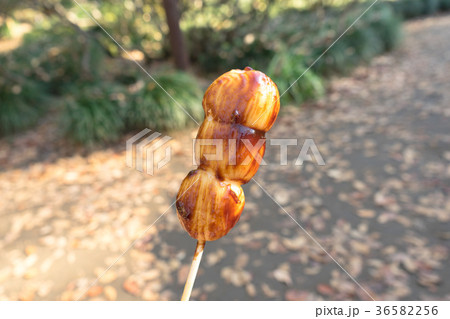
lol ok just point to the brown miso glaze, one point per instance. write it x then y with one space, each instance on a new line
237 157
209 208
247 93
240 106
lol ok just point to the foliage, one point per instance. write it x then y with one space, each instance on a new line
409 9
387 26
135 25
149 106
66 53
92 114
444 5
100 113
4 30
224 35
48 61
376 32
431 6
21 102
309 31
285 69
59 57
232 48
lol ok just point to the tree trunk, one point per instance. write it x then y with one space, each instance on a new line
178 48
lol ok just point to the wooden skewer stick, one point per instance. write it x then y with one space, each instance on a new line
193 271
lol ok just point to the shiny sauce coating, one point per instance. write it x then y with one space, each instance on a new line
240 106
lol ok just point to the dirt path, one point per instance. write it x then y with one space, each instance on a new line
380 206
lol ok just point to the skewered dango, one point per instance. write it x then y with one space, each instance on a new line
240 107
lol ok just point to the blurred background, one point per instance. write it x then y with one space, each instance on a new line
376 105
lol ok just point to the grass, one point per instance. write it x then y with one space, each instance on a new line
22 102
149 106
285 69
100 113
92 114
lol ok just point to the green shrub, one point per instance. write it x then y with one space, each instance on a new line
49 61
409 9
149 106
387 25
285 68
135 25
337 60
4 30
59 57
21 104
363 44
92 114
100 113
430 6
376 32
356 47
444 5
219 51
